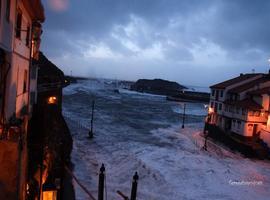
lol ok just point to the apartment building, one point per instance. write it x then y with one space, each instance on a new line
20 30
240 106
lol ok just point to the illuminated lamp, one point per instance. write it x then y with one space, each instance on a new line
210 110
49 191
52 100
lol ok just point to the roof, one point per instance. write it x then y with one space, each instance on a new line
47 70
35 9
265 90
249 85
232 81
246 103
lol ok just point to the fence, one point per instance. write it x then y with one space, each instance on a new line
102 175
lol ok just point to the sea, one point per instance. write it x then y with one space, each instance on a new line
139 132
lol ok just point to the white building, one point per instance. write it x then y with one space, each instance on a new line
20 31
240 106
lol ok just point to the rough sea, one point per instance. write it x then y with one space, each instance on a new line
143 133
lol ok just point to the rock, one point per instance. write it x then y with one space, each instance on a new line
157 86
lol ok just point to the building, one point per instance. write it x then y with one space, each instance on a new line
240 107
20 30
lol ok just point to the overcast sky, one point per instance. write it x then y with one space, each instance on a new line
193 42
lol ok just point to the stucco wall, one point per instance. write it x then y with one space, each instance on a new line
9 169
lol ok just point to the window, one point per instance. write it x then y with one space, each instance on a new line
33 72
250 127
226 108
19 24
238 124
237 110
244 111
213 92
257 113
25 81
8 10
216 107
212 104
251 113
221 93
27 39
32 98
220 106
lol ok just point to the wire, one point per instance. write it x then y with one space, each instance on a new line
80 184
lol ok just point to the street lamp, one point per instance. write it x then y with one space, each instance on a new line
184 116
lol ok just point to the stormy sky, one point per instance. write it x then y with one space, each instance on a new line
193 42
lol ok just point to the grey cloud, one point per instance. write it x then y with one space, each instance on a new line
239 27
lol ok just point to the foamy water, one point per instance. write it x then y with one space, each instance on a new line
141 132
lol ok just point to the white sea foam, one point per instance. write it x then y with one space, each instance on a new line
169 159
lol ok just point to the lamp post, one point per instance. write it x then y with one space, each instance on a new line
184 116
91 134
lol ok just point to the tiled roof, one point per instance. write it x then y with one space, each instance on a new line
246 103
265 90
238 79
249 85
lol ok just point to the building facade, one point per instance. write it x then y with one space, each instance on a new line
240 106
20 29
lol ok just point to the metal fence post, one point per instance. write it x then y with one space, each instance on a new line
134 186
101 183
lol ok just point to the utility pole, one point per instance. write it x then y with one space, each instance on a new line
184 116
90 133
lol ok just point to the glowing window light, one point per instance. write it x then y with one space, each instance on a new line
49 192
52 100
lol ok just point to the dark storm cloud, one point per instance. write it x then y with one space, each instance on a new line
175 30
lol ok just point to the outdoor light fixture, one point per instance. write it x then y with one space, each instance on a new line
49 192
52 100
211 110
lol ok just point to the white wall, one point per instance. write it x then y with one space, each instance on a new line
6 30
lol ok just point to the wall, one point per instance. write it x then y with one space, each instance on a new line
265 136
6 30
9 159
